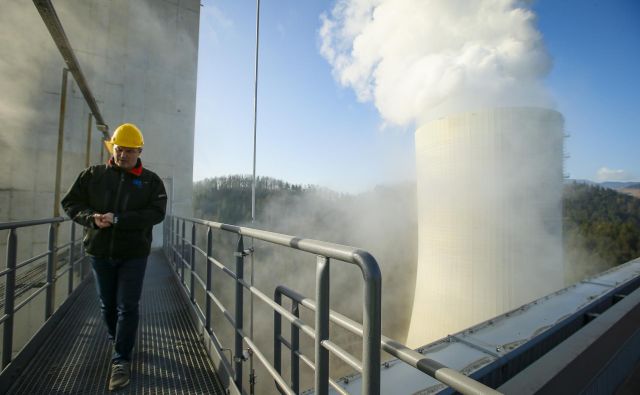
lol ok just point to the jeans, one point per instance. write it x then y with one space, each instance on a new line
119 286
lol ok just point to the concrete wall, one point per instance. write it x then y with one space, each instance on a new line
140 60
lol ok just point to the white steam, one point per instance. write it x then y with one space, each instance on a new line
418 59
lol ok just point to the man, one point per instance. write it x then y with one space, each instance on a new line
118 203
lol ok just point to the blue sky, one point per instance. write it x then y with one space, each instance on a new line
312 130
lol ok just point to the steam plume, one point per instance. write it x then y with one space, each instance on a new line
417 60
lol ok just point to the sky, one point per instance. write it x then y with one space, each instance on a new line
313 128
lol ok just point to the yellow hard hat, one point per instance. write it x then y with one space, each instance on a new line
127 135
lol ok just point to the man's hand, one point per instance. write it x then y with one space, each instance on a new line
103 220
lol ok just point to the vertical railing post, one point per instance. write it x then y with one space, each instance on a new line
238 358
371 325
209 282
50 296
277 333
322 326
173 245
82 262
72 247
192 262
9 297
295 348
176 262
182 253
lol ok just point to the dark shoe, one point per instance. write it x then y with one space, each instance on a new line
120 374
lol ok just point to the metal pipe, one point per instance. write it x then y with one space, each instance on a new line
87 156
102 155
33 222
277 335
450 377
322 326
255 114
238 357
71 260
182 253
295 348
192 262
9 291
51 264
82 254
59 152
371 322
51 20
209 280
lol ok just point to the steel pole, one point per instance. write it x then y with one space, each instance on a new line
295 348
192 263
87 155
63 105
71 258
209 282
51 264
9 298
322 326
238 357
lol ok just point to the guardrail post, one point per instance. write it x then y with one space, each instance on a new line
295 348
9 297
322 326
209 282
192 262
277 332
173 243
72 247
176 246
238 358
50 296
182 253
371 324
82 262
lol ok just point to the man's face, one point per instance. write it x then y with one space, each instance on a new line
125 157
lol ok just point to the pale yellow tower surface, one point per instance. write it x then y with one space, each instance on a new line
489 187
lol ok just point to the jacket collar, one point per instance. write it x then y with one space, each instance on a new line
136 171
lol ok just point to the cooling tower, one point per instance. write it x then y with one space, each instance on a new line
490 209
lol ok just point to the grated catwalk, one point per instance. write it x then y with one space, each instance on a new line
168 359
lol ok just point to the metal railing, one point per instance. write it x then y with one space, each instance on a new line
181 248
435 369
51 274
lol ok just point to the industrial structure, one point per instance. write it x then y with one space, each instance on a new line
136 62
489 187
71 75
137 58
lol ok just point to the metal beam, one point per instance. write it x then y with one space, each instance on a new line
51 20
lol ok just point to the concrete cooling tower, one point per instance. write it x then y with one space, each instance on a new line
490 210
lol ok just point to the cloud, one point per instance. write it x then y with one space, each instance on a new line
417 60
606 174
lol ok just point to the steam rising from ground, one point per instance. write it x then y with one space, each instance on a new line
417 60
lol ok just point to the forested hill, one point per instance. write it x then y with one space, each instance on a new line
228 199
602 227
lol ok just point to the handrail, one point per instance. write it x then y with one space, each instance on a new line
181 253
32 222
438 371
12 266
181 247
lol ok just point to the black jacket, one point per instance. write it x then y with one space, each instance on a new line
136 197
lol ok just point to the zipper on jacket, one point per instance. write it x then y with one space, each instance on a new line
115 208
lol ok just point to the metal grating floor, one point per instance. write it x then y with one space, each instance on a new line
168 359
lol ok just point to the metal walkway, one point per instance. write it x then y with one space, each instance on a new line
169 357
